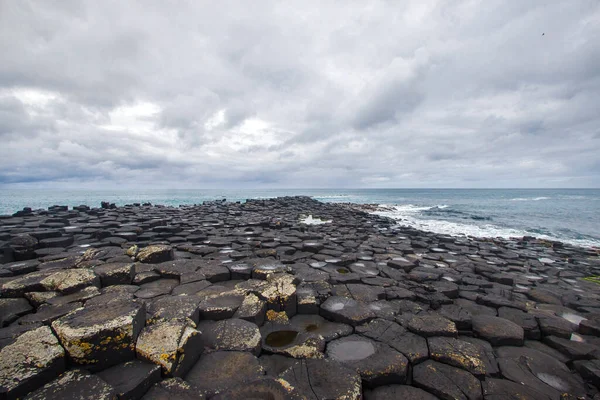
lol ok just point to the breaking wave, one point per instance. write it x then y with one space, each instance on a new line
417 217
530 198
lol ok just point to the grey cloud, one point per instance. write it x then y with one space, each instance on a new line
190 94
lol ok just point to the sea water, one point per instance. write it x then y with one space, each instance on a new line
569 215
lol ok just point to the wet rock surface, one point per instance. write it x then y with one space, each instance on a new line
234 300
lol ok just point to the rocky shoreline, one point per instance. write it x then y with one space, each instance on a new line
244 301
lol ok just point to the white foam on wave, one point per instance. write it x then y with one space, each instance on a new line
411 208
530 198
408 215
332 196
314 221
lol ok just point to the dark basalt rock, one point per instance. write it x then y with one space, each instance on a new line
446 382
432 325
131 379
11 309
526 321
414 347
502 389
458 353
394 392
219 371
75 384
115 273
498 331
377 363
10 334
174 388
266 388
538 371
319 326
324 379
46 314
360 278
285 340
231 335
183 308
572 349
347 311
98 337
221 306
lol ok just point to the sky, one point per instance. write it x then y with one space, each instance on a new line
299 94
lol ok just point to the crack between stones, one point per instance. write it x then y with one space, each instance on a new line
308 378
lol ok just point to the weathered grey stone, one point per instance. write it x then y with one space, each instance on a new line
324 379
31 282
280 293
458 353
155 254
70 280
183 308
115 273
33 359
252 309
432 325
173 345
10 334
75 384
446 382
98 337
222 370
231 335
221 306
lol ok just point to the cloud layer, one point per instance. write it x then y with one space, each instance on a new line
300 94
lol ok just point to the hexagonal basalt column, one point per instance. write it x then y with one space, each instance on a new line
280 293
98 337
173 345
33 359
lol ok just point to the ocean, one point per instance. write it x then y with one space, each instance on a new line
568 215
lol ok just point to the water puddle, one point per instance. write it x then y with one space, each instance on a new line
577 338
574 318
352 351
280 338
521 287
533 277
546 260
554 381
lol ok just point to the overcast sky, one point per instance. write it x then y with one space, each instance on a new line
213 94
